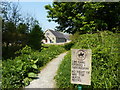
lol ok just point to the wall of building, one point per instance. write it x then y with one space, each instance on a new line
59 40
51 37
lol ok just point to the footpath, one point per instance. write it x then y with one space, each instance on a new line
47 74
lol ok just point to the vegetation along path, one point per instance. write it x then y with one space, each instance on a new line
46 76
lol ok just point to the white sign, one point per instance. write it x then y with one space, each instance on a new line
81 66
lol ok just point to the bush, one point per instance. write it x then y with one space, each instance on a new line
105 58
68 46
21 70
9 52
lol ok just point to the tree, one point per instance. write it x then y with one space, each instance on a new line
85 17
15 28
35 37
10 19
22 28
10 12
30 22
9 33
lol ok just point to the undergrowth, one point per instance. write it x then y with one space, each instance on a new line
20 71
105 59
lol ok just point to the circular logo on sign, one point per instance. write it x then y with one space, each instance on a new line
81 54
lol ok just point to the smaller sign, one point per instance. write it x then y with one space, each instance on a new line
81 66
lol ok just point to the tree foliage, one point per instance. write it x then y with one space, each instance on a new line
35 37
85 17
15 28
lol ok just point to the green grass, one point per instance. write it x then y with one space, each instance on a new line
21 70
105 58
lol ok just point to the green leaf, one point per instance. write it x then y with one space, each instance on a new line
84 22
91 22
31 74
34 66
26 81
35 61
69 17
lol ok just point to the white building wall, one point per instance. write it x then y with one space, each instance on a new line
49 36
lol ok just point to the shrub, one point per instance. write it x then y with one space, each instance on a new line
21 70
105 58
68 46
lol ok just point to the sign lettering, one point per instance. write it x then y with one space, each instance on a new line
81 66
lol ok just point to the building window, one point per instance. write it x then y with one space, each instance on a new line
47 33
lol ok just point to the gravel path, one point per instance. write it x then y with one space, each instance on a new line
46 77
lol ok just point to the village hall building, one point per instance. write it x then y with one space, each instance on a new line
55 37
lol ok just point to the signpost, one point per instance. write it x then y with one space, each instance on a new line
81 67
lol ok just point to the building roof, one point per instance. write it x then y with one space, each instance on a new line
67 36
58 34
